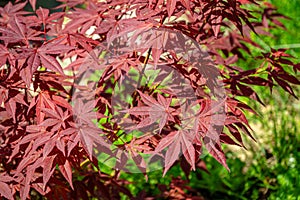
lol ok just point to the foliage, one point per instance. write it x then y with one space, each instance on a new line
268 169
49 133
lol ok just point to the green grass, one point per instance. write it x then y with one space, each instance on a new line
290 37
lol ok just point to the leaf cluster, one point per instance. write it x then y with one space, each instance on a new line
49 133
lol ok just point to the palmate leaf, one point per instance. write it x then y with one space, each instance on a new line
84 112
66 170
235 133
57 118
17 31
155 111
171 5
30 176
46 52
44 56
216 20
214 148
90 137
172 153
177 142
125 26
44 17
84 18
11 98
43 100
10 10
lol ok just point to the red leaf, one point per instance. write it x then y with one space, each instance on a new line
12 10
171 4
62 102
188 148
215 150
43 101
216 20
42 13
48 169
228 140
289 78
156 111
18 32
285 86
5 191
4 54
176 142
32 3
66 171
166 141
172 154
48 148
50 63
235 133
30 170
90 136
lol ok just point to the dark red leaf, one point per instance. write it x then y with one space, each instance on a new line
48 169
215 150
66 170
155 111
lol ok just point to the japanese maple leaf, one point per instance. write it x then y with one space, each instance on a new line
215 149
48 169
84 112
125 26
43 100
122 65
90 137
154 110
208 127
52 47
5 190
11 97
56 118
171 5
44 55
216 20
10 10
84 18
177 142
16 31
44 17
4 55
130 153
210 115
66 170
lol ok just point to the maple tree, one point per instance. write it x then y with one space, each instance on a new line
76 90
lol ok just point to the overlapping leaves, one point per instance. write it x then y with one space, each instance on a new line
40 54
